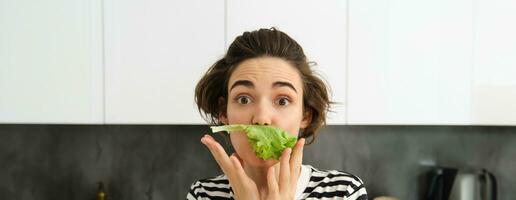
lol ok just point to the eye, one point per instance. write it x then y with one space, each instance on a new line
243 100
283 101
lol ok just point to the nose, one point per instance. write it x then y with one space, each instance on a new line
262 115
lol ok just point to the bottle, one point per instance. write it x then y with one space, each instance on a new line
101 195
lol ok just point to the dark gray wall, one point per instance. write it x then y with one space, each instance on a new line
160 162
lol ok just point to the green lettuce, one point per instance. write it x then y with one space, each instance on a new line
267 141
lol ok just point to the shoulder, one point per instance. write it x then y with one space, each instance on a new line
334 184
216 187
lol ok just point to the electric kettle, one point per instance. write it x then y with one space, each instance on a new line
459 184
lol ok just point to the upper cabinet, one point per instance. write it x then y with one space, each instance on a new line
320 27
424 62
51 62
155 52
494 64
410 62
445 62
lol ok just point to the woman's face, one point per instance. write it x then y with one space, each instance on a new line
264 91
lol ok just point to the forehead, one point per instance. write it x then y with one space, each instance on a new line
266 69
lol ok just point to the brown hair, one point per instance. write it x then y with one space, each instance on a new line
263 42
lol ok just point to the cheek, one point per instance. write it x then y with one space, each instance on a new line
291 122
237 139
245 151
293 131
236 116
240 144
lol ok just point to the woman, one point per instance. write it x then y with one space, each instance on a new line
265 79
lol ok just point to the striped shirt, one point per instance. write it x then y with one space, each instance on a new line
312 184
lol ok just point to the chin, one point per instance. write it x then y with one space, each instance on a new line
258 162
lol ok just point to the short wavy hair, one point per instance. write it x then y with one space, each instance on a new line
262 43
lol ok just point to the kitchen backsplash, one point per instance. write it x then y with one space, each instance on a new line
158 162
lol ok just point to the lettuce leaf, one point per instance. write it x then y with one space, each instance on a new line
267 141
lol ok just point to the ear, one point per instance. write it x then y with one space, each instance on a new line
223 118
307 118
222 114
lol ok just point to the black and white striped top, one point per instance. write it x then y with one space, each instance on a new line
312 184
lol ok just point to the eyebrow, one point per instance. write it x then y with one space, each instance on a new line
250 84
284 84
245 83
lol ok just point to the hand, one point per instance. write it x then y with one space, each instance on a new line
244 187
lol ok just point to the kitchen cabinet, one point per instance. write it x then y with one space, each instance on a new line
410 62
320 27
444 62
494 63
51 62
156 51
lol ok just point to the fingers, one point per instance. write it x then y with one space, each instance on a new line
286 188
297 155
296 160
297 152
239 159
237 165
271 182
232 166
218 153
284 183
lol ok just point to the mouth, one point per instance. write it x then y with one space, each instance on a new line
268 142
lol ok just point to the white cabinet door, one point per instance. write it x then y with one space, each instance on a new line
156 51
494 67
318 26
409 61
51 61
